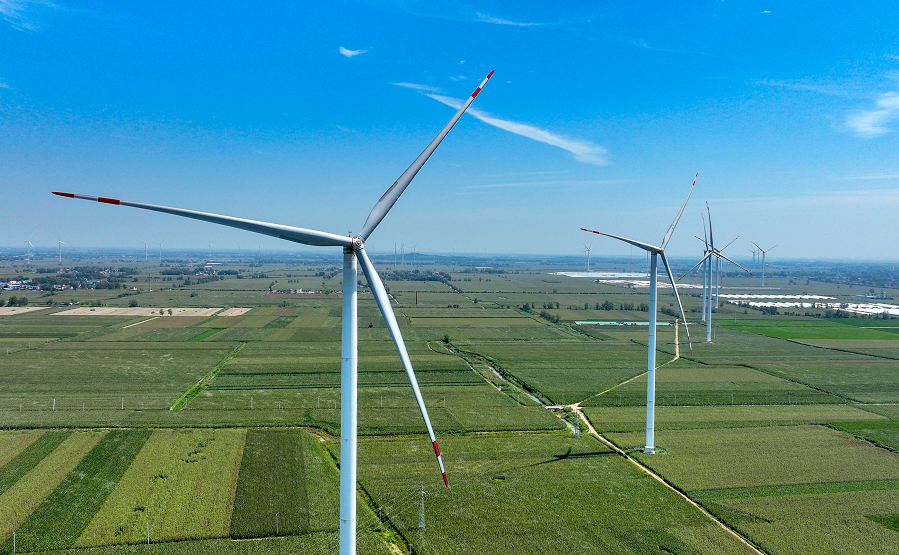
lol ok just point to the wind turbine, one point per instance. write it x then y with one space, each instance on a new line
28 249
155 242
146 251
655 253
353 252
711 257
587 254
59 244
763 253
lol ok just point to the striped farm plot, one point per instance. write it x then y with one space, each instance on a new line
19 502
135 311
181 483
58 521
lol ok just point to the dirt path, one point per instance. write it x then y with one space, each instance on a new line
576 407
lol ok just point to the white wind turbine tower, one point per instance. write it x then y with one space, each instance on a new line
28 250
763 253
146 251
655 253
711 256
157 243
59 244
587 255
353 252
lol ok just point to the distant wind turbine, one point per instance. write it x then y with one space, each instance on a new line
587 256
711 257
763 252
146 251
160 249
353 252
28 250
655 253
59 244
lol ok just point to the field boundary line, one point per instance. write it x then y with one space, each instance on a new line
668 485
141 322
204 381
625 382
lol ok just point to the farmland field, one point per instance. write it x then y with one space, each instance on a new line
219 431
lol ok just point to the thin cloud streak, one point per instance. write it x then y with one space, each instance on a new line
583 151
484 18
872 123
423 88
15 12
3 86
350 53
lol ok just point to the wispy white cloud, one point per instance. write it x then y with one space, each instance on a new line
767 11
3 85
417 87
583 151
873 123
20 13
346 52
452 10
827 88
484 18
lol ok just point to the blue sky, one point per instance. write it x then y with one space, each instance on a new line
597 116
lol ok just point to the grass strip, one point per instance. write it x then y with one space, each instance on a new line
204 381
205 334
270 500
63 516
20 500
794 489
25 461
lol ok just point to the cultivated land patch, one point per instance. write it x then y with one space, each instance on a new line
566 372
866 381
727 458
234 311
270 500
59 520
687 383
13 310
525 483
627 419
19 501
181 482
135 311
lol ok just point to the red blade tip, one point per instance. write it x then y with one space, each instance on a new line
67 195
491 73
445 482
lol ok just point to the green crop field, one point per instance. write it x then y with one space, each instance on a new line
784 427
181 483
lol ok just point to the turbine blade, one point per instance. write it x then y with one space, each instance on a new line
377 289
770 248
722 257
677 296
729 244
756 245
289 233
644 246
708 254
711 233
388 199
674 223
